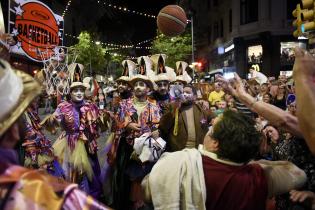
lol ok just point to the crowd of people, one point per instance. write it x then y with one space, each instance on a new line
247 144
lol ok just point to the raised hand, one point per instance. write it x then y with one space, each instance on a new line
234 86
302 196
304 64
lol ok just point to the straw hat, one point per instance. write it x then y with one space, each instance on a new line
17 91
143 78
79 84
146 74
169 76
167 73
75 68
146 63
156 58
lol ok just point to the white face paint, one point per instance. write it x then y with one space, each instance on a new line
77 94
140 89
163 87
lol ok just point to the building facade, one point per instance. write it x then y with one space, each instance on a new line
240 33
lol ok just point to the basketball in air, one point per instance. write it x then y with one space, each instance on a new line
172 20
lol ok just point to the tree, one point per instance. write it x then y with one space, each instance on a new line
114 67
90 54
176 48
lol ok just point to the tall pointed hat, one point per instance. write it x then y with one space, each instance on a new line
144 72
129 70
76 75
181 73
163 72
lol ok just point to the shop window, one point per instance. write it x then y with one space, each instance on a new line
287 52
254 54
249 11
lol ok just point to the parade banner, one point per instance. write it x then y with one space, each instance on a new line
37 30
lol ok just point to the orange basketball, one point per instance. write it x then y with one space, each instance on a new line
37 30
172 20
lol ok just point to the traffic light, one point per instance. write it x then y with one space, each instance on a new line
298 21
198 66
307 15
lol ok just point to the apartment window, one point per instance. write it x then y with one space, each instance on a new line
230 21
249 11
221 28
291 5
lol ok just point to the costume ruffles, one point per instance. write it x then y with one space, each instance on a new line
76 159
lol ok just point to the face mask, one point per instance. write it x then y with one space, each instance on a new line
188 97
77 94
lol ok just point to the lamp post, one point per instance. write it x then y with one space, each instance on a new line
191 13
192 42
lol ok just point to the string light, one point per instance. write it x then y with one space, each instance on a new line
112 46
131 57
115 47
150 40
103 43
66 9
126 10
119 48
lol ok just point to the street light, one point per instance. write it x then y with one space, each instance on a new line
195 64
98 42
191 12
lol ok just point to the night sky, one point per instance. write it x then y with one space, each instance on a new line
129 27
123 28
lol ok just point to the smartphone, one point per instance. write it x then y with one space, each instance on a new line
228 75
